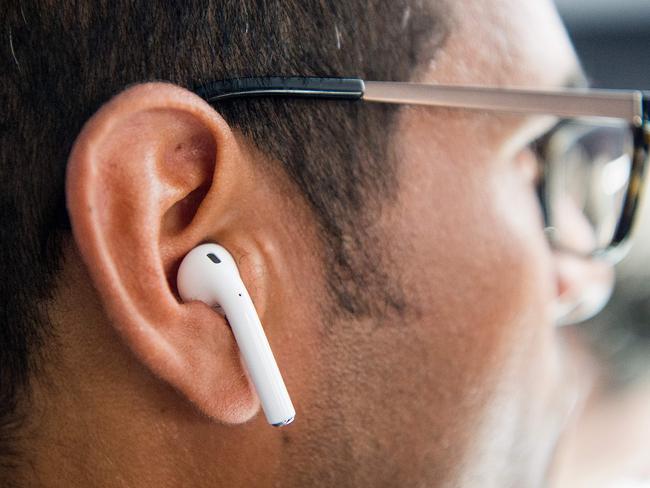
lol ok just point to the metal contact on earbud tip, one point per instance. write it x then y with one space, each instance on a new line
284 422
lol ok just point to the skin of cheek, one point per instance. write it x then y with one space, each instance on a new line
528 409
476 271
401 399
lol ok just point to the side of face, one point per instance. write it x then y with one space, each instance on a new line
464 386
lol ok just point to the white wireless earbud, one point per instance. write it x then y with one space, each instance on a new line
208 273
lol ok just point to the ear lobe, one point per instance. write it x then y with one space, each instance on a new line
141 192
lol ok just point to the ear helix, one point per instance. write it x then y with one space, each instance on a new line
208 273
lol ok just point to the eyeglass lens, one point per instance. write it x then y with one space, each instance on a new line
587 165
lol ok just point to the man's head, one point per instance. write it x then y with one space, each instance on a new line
396 255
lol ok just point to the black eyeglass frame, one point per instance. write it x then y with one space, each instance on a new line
631 106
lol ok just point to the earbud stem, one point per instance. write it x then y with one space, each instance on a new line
258 359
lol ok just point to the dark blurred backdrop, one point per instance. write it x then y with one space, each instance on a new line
613 39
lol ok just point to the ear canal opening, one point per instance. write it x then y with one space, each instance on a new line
180 215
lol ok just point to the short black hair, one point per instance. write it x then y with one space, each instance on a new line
62 60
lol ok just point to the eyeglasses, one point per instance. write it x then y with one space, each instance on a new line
592 162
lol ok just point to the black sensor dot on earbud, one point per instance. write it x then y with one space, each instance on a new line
214 258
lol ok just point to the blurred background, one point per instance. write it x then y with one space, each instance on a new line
610 446
612 38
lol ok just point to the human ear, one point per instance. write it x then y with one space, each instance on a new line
153 173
